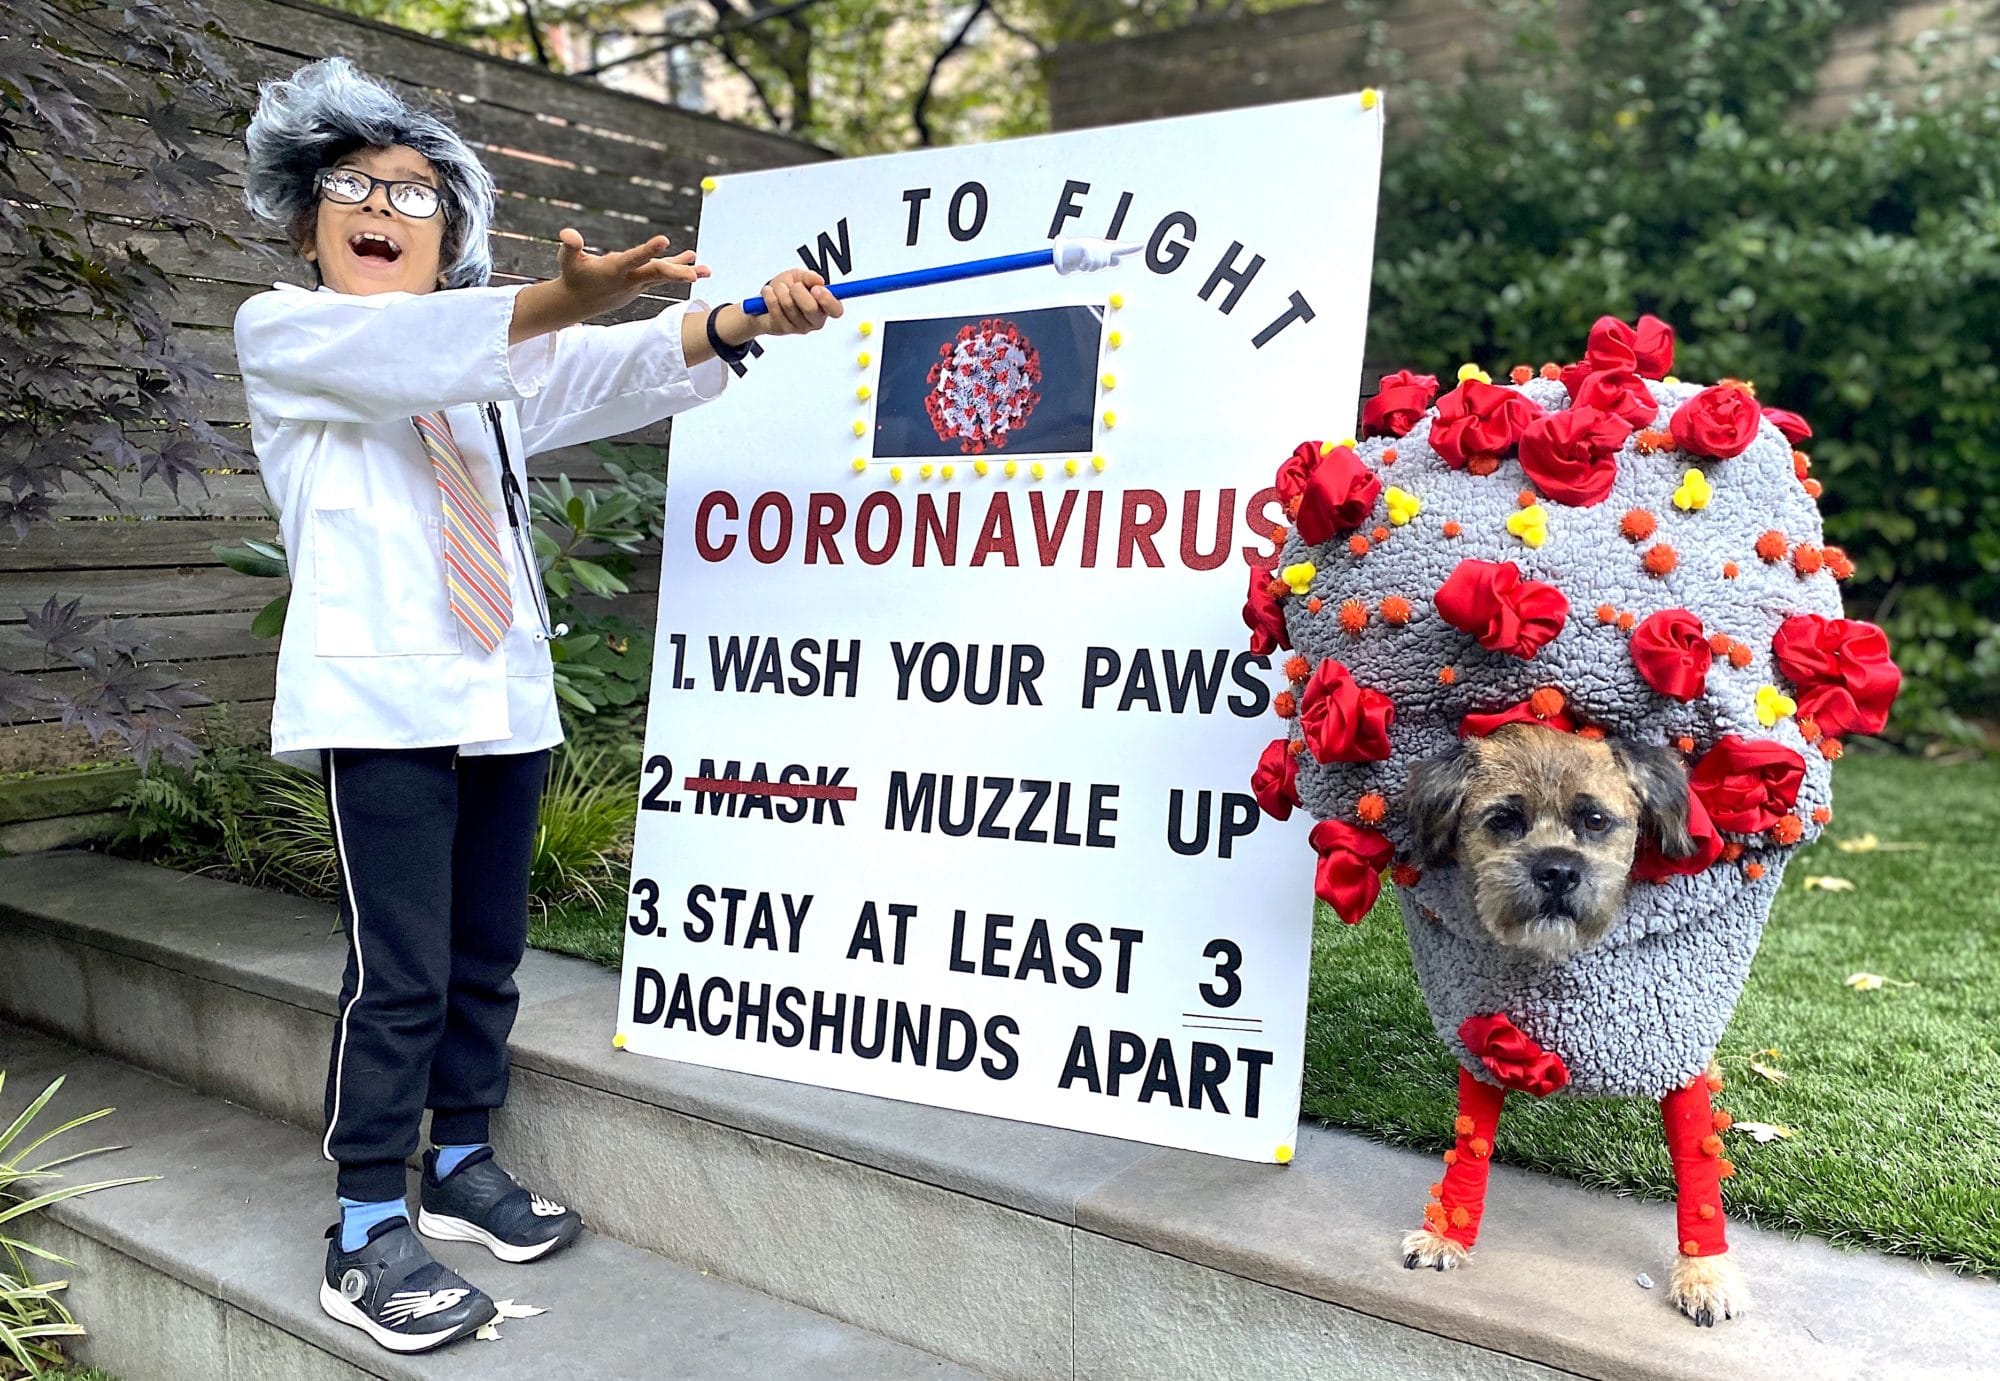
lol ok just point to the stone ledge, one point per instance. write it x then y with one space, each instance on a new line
1554 1282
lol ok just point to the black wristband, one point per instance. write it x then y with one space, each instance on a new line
731 355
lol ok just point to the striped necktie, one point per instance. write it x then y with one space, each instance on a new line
473 574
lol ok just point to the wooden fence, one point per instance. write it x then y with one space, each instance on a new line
563 152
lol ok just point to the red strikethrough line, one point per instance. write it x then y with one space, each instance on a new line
807 790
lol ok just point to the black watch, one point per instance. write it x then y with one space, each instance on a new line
731 355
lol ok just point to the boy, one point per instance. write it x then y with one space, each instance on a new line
391 411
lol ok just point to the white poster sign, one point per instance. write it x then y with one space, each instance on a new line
946 788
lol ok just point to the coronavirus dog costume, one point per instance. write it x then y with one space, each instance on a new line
1598 550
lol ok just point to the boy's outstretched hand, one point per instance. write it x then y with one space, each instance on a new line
599 283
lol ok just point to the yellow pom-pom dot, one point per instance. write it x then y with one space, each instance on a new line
1370 98
1694 493
1283 1155
866 328
864 359
945 472
864 393
895 474
1110 418
1036 470
1773 705
1013 468
1530 524
980 467
618 1041
1403 505
709 184
1117 301
1098 463
860 466
1115 339
1670 379
924 472
1069 467
1473 371
1299 577
860 427
1348 442
1110 381
1326 448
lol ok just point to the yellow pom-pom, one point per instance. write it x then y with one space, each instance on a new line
866 328
1110 381
1299 577
1036 470
1110 418
1115 339
1370 97
1098 463
980 467
944 472
1403 505
895 474
1069 467
1348 442
709 184
864 359
1530 524
860 427
1013 468
618 1041
1117 301
1694 493
1283 1155
1773 705
1670 379
1326 448
925 471
1473 371
864 393
860 466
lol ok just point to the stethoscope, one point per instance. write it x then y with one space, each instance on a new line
517 511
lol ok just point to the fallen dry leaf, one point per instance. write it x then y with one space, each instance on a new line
1829 884
1776 1076
1865 982
487 1333
1870 844
505 1309
1761 1132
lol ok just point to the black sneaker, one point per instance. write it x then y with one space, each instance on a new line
479 1202
391 1289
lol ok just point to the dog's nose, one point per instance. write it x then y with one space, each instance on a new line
1556 876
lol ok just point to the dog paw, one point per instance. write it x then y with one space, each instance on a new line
1708 1289
1427 1247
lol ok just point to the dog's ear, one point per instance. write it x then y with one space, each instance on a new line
1433 798
1659 779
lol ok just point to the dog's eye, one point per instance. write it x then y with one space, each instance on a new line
1594 821
1507 822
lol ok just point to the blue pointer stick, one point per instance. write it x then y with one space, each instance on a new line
1066 255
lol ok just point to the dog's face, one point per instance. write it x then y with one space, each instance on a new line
1548 824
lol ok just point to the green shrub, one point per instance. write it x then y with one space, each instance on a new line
1649 159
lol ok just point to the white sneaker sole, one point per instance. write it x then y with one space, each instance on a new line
338 1306
444 1229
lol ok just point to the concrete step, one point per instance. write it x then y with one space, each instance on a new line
213 1270
1020 1251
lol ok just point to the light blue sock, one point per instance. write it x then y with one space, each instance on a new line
356 1218
451 1157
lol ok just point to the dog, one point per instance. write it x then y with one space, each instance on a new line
1547 825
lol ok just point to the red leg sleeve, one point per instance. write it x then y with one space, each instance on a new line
1694 1141
1460 1197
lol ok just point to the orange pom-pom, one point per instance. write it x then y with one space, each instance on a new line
1690 1248
1552 370
1525 499
1653 440
1389 456
1460 1218
1314 605
1451 528
1395 609
1771 546
1711 1145
1546 703
1713 1078
1284 704
1638 524
1462 1125
1721 1121
1297 747
1292 504
1720 643
1801 464
1590 731
1821 815
1380 534
1739 656
1358 544
1806 559
1627 621
1729 570
1605 613
1446 676
1370 809
1451 1157
1278 589
1482 465
1837 562
1706 1211
1437 1190
1684 743
1297 668
1753 870
1660 559
1520 374
1731 851
1434 1215
1279 532
1813 489
1406 875
1726 1169
1789 829
1480 1147
1830 749
1353 616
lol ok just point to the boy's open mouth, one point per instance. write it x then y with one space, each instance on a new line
370 244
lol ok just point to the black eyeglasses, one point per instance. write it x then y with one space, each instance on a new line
350 186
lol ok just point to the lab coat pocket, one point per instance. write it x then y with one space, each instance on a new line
379 572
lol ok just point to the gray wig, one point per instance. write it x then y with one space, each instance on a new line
328 109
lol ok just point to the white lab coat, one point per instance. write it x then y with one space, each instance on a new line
372 656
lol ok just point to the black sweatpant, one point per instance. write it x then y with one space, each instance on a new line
434 851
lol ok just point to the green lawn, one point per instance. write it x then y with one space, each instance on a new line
1893 1095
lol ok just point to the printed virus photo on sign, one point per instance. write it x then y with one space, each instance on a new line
1018 383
